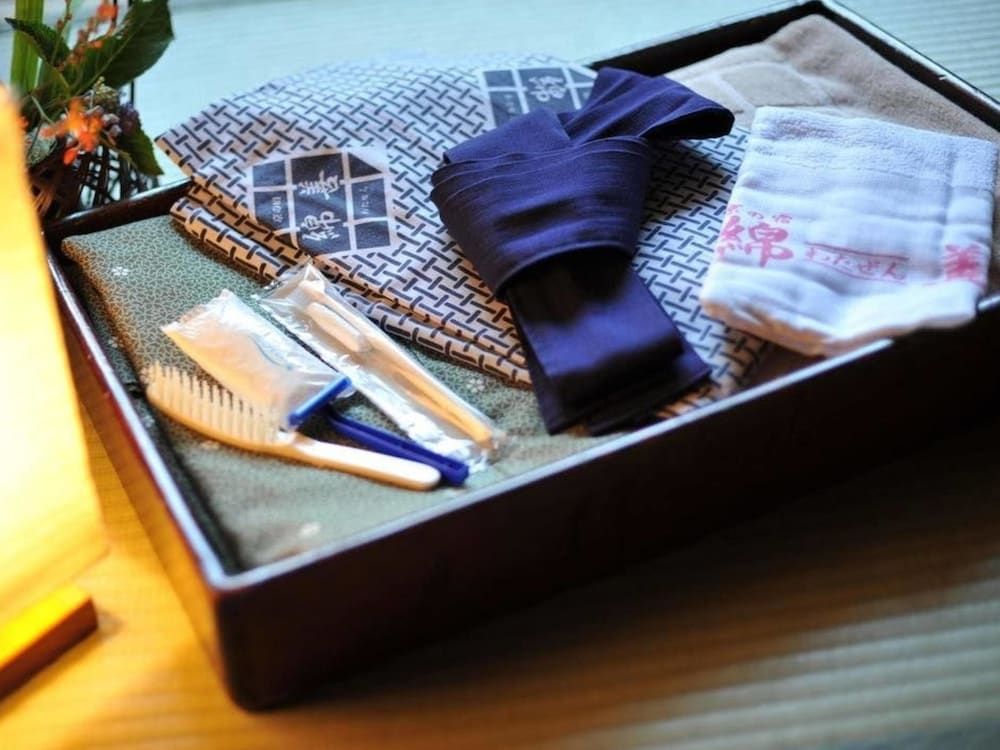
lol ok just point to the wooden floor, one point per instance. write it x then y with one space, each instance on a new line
865 616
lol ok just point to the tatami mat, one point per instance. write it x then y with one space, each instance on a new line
864 616
868 611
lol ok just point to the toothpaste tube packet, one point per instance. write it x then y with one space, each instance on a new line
306 303
259 363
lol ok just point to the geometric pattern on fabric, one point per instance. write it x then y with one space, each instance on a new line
329 200
516 91
686 206
422 287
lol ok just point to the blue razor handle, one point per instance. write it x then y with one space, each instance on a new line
334 389
452 470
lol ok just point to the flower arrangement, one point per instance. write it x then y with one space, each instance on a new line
72 111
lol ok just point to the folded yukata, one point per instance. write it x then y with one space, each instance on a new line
841 231
335 164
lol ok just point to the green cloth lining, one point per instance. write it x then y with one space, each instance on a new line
260 509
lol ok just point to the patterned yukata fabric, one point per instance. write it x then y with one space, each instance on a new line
384 127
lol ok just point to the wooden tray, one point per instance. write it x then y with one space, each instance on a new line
278 629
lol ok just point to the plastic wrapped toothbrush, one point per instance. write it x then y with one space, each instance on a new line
310 307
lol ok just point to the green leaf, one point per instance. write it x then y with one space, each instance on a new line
139 41
139 149
45 41
24 58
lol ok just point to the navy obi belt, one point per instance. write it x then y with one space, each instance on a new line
548 208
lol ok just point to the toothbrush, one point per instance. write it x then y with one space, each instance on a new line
354 331
339 328
217 413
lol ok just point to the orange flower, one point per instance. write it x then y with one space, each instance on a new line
90 138
71 120
82 129
106 11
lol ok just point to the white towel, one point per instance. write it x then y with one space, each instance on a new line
843 231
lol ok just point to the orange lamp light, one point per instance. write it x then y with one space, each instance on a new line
50 527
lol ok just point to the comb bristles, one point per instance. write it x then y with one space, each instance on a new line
231 424
235 416
224 410
216 414
213 405
208 407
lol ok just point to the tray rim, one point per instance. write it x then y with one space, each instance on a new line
224 589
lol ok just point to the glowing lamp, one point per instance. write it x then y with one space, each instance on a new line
50 526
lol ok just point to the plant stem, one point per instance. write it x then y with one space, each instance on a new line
23 59
43 117
47 72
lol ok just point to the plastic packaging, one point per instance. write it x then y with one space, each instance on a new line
309 306
252 358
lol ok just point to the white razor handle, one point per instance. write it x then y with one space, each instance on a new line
398 471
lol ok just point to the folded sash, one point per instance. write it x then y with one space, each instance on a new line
549 208
287 138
